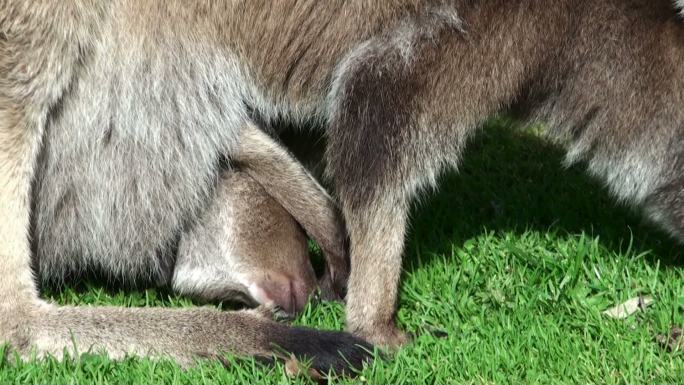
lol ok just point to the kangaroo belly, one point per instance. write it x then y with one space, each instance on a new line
131 158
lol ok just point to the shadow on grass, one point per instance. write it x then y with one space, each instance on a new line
511 180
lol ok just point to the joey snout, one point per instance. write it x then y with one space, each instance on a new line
281 292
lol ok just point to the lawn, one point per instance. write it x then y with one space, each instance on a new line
515 258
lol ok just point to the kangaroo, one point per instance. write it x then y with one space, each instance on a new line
146 175
604 76
245 248
398 85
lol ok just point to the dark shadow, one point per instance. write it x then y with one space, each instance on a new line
142 295
513 180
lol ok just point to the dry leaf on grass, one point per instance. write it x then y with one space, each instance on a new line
293 368
673 342
629 307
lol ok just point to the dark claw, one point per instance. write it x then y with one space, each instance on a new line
327 351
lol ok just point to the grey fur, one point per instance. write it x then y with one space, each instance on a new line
120 195
610 92
400 86
132 118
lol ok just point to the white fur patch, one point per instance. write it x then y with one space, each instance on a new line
631 178
680 6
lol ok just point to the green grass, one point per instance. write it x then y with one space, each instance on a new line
515 258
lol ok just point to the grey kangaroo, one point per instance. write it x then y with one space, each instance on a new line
398 85
131 189
245 247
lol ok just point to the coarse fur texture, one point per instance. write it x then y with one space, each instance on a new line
399 85
614 102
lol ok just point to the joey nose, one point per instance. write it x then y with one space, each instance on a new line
290 295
